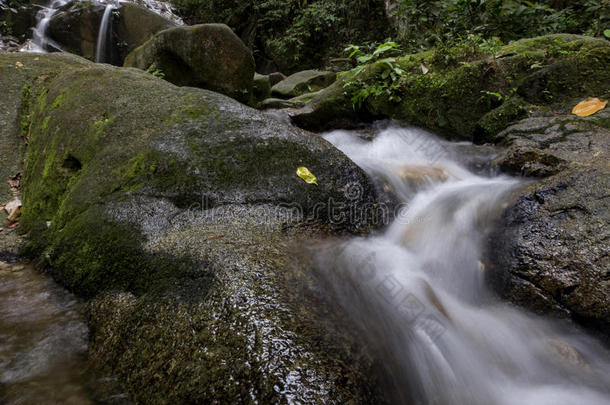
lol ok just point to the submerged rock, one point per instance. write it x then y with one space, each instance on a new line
173 209
210 56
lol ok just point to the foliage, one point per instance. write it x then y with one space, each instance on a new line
389 79
425 24
153 70
294 34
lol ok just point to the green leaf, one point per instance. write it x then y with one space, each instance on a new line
607 33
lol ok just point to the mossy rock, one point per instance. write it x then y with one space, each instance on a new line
209 56
187 203
261 88
299 83
461 86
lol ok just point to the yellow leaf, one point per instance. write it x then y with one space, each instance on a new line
306 175
589 107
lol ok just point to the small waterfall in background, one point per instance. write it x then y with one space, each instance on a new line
40 41
418 291
103 34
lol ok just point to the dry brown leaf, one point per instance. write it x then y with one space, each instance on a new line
589 107
19 64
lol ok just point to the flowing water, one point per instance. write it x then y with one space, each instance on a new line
418 290
103 33
43 340
41 42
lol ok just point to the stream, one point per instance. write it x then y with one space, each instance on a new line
43 340
419 295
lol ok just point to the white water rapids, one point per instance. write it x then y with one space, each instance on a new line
418 291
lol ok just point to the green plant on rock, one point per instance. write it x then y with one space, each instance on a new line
153 70
388 80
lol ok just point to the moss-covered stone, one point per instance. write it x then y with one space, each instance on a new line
210 56
299 83
461 86
261 88
185 202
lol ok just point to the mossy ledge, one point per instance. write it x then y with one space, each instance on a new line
461 86
171 211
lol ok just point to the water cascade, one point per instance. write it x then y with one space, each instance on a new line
419 295
40 41
103 33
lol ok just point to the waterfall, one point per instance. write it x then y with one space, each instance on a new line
102 36
40 41
418 294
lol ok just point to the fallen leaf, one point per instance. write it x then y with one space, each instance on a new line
37 58
1 229
306 175
424 69
19 64
13 208
12 225
589 107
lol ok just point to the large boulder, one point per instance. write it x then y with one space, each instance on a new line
174 210
456 92
210 56
550 250
74 28
303 82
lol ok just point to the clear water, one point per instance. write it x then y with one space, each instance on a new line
43 341
419 295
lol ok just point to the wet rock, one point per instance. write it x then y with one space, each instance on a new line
210 56
307 81
550 251
139 186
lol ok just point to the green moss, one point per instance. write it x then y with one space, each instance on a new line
92 255
459 85
59 101
25 117
497 119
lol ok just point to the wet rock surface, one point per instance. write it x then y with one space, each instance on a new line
176 218
550 252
